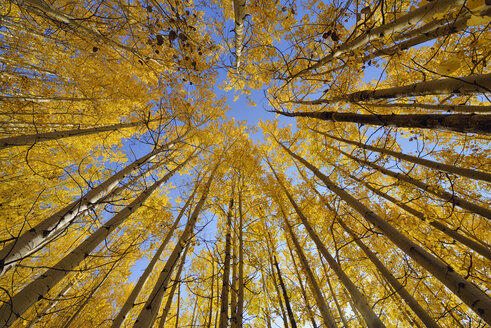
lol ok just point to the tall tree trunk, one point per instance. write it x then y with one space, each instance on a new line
479 248
410 19
210 312
371 319
239 15
130 301
31 139
50 306
150 310
88 298
223 323
398 287
302 289
316 291
177 282
32 240
36 290
240 293
437 191
285 294
334 297
464 123
471 84
470 294
442 107
468 173
271 251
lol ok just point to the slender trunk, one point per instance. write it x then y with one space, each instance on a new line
462 85
479 248
468 173
316 291
88 298
233 287
25 140
239 15
150 310
470 294
285 294
33 239
275 284
177 282
50 306
442 107
266 310
223 323
240 294
36 290
437 191
130 301
371 319
398 287
410 19
335 298
463 123
302 289
210 312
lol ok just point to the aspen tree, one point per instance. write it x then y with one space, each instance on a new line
470 294
36 290
130 301
358 298
293 323
316 291
464 123
177 281
150 310
469 173
437 190
223 322
33 239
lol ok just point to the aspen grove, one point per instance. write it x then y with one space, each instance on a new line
131 195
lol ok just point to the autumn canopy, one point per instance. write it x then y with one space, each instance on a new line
131 197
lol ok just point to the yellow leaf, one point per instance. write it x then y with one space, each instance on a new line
476 20
448 66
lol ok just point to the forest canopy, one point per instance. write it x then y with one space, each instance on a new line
131 197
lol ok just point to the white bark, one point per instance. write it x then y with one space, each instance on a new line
239 14
470 294
371 319
36 290
33 239
410 19
130 301
151 308
468 173
435 190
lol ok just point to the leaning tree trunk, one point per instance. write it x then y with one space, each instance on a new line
461 85
240 293
481 249
130 301
32 139
33 239
410 19
177 281
371 319
316 291
470 294
468 173
36 290
463 123
442 107
398 287
437 191
148 314
293 323
302 289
